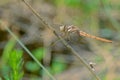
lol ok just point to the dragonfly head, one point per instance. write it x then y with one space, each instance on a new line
62 28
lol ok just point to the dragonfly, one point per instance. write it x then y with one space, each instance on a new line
72 28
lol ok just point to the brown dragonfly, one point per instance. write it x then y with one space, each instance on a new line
69 29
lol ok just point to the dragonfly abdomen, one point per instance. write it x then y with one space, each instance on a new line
94 37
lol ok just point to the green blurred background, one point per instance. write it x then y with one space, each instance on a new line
96 17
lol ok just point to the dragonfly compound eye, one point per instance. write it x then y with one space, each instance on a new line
62 28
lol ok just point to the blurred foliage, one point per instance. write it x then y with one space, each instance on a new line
12 62
98 59
106 32
5 72
99 17
5 69
16 64
3 2
7 50
32 66
55 67
58 67
117 78
38 53
103 75
86 5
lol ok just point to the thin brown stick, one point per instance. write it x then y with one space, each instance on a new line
63 41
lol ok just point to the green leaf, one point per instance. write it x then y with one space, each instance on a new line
15 58
32 66
15 63
7 50
38 53
58 67
5 70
